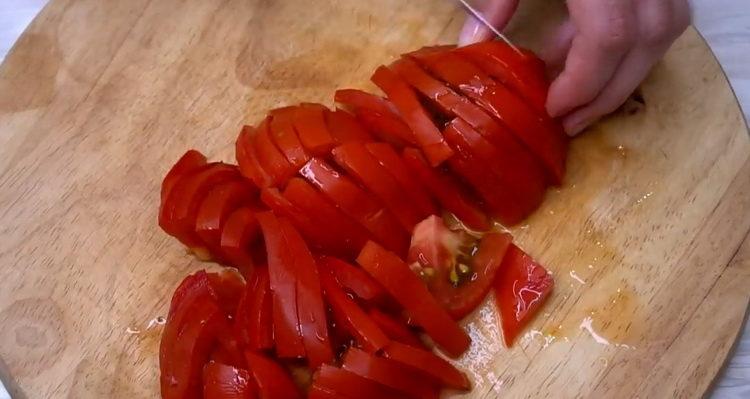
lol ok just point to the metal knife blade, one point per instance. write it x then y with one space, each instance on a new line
478 15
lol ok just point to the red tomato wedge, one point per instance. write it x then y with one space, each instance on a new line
389 159
389 129
351 317
395 329
389 373
357 161
521 288
187 163
408 290
520 72
344 127
221 381
351 385
247 158
286 331
178 212
429 364
271 160
316 392
313 132
447 191
426 133
358 99
285 136
311 310
228 286
356 203
540 134
220 202
353 279
272 380
240 231
190 333
253 320
318 235
349 235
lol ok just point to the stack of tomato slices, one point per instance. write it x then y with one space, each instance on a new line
361 236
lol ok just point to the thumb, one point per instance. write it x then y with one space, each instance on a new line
496 12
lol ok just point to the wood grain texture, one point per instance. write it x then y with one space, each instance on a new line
644 238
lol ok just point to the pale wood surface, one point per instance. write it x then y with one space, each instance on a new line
93 113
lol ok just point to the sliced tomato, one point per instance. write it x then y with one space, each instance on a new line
521 288
353 279
228 286
178 213
286 331
216 207
312 130
247 158
519 71
350 385
310 307
320 236
238 234
316 392
428 363
395 329
389 159
539 133
426 133
356 203
355 159
253 319
349 234
358 99
271 160
389 373
272 380
408 290
221 381
285 136
351 317
193 324
389 129
463 271
188 162
344 127
448 192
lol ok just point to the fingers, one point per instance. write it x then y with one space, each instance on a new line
496 12
557 42
605 31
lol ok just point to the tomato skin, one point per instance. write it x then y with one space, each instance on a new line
447 191
352 278
357 161
344 127
285 137
426 133
395 329
215 209
311 309
239 232
271 160
221 381
428 363
521 288
540 134
389 373
188 162
287 335
351 317
247 158
312 130
408 290
356 203
272 380
253 318
351 385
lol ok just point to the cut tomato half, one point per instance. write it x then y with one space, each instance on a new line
357 203
408 290
448 192
221 381
521 288
270 377
428 363
389 373
426 133
253 319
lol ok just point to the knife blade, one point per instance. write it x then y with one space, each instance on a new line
478 15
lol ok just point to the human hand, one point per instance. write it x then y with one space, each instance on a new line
603 51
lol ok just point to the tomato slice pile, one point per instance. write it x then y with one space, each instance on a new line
336 222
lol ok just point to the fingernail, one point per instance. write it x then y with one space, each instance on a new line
472 32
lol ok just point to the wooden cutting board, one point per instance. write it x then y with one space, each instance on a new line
99 98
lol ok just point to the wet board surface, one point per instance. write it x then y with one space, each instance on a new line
647 239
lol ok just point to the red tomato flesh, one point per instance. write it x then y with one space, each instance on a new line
429 364
389 373
216 208
409 290
313 132
221 381
253 319
247 158
285 136
521 288
187 163
351 385
239 232
395 329
353 279
272 380
344 127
